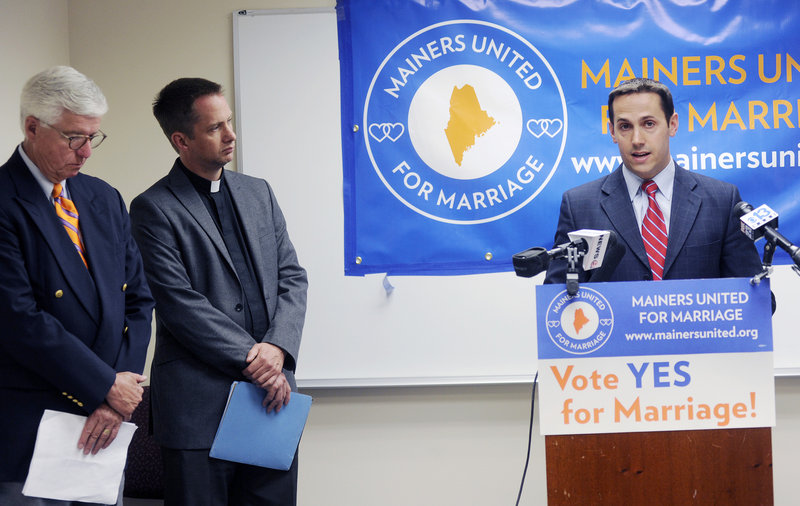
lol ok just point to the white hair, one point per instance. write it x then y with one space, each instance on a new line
49 93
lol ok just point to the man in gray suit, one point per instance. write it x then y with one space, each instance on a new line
230 299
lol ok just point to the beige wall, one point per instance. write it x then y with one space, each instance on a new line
458 445
33 36
132 49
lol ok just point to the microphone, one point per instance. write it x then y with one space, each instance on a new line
755 222
532 261
599 248
763 222
597 242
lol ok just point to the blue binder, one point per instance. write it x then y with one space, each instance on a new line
249 435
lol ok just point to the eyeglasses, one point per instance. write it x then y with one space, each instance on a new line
76 142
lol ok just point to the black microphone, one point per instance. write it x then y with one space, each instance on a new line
532 261
763 222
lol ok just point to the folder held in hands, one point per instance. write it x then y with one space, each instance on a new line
249 435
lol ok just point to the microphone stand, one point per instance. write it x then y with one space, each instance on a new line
573 255
766 262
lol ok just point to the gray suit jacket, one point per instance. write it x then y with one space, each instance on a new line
704 237
201 343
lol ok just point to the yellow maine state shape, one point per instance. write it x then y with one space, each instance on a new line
467 121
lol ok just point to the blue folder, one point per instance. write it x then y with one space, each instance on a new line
249 435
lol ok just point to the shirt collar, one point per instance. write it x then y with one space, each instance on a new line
664 179
45 184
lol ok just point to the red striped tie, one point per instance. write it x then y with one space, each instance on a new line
654 232
68 214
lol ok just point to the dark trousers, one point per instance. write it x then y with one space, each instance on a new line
192 478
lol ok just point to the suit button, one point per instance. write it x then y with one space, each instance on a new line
239 308
59 294
124 286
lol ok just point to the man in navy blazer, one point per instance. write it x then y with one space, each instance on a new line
704 239
73 335
230 299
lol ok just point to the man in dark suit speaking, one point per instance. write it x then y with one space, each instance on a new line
674 224
230 299
75 309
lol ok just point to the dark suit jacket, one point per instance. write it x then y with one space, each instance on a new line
201 343
63 333
704 236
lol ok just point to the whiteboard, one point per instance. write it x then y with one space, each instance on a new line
372 330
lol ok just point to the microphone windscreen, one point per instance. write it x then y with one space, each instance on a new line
530 262
741 208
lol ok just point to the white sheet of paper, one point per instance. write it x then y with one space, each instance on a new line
59 470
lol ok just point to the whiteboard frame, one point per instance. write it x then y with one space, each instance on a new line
363 308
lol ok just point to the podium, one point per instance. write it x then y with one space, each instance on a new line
667 398
731 466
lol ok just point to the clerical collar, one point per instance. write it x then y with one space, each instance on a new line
201 184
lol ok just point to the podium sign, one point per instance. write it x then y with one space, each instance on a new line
655 356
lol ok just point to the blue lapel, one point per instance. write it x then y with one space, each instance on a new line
616 203
99 241
684 211
36 204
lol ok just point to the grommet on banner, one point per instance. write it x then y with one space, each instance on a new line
488 256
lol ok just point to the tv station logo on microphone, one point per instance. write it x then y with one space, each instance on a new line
579 324
465 122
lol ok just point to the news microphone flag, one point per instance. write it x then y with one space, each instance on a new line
597 241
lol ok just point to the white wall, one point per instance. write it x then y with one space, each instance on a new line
33 36
457 445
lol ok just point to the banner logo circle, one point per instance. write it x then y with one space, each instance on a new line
465 122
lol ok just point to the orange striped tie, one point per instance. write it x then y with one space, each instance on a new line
66 210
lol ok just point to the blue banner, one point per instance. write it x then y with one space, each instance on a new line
463 122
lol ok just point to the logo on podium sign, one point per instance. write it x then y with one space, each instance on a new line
580 324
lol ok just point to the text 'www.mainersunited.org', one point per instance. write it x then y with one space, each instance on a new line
733 332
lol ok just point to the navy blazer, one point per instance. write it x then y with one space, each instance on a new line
704 241
201 341
64 333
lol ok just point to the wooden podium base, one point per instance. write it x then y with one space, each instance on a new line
719 467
